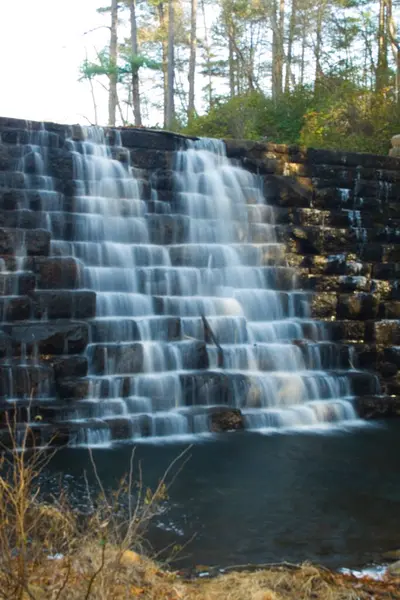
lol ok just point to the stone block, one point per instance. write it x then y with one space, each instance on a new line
162 180
133 137
67 304
19 381
386 271
55 337
344 330
358 306
323 305
69 366
363 383
388 369
226 419
152 159
392 355
378 406
72 388
16 308
55 272
386 332
33 242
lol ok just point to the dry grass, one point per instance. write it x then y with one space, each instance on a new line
138 577
97 558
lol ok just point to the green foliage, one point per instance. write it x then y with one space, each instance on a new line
104 66
337 114
352 119
133 62
254 116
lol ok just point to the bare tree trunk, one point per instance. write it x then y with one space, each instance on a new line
113 78
382 66
395 45
135 68
192 58
121 114
171 64
277 48
208 57
303 53
96 120
164 43
231 63
318 46
292 26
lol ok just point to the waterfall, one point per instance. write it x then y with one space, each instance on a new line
196 308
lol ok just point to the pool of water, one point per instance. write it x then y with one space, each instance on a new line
330 497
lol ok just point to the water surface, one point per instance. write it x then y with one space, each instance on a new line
330 497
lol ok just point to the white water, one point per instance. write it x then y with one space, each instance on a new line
153 370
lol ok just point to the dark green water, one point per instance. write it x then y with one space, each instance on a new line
331 497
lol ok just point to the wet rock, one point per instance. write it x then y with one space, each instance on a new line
65 304
55 272
288 191
16 308
261 167
390 310
69 366
127 358
34 242
229 419
386 333
363 383
72 388
162 180
394 569
205 388
167 229
344 330
391 385
152 159
133 137
391 555
388 369
357 306
308 240
378 407
18 381
323 305
367 356
56 337
392 355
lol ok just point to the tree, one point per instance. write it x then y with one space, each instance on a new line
135 68
170 108
192 59
113 57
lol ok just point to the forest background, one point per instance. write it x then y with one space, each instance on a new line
324 73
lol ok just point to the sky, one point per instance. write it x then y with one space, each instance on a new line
42 44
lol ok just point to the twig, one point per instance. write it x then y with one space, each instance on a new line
64 583
96 573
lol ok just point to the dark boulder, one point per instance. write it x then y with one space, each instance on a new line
226 419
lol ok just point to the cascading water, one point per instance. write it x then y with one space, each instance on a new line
209 318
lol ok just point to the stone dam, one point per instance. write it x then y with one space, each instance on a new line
153 285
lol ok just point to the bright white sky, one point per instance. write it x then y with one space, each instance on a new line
41 47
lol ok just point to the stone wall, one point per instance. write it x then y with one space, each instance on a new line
339 215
